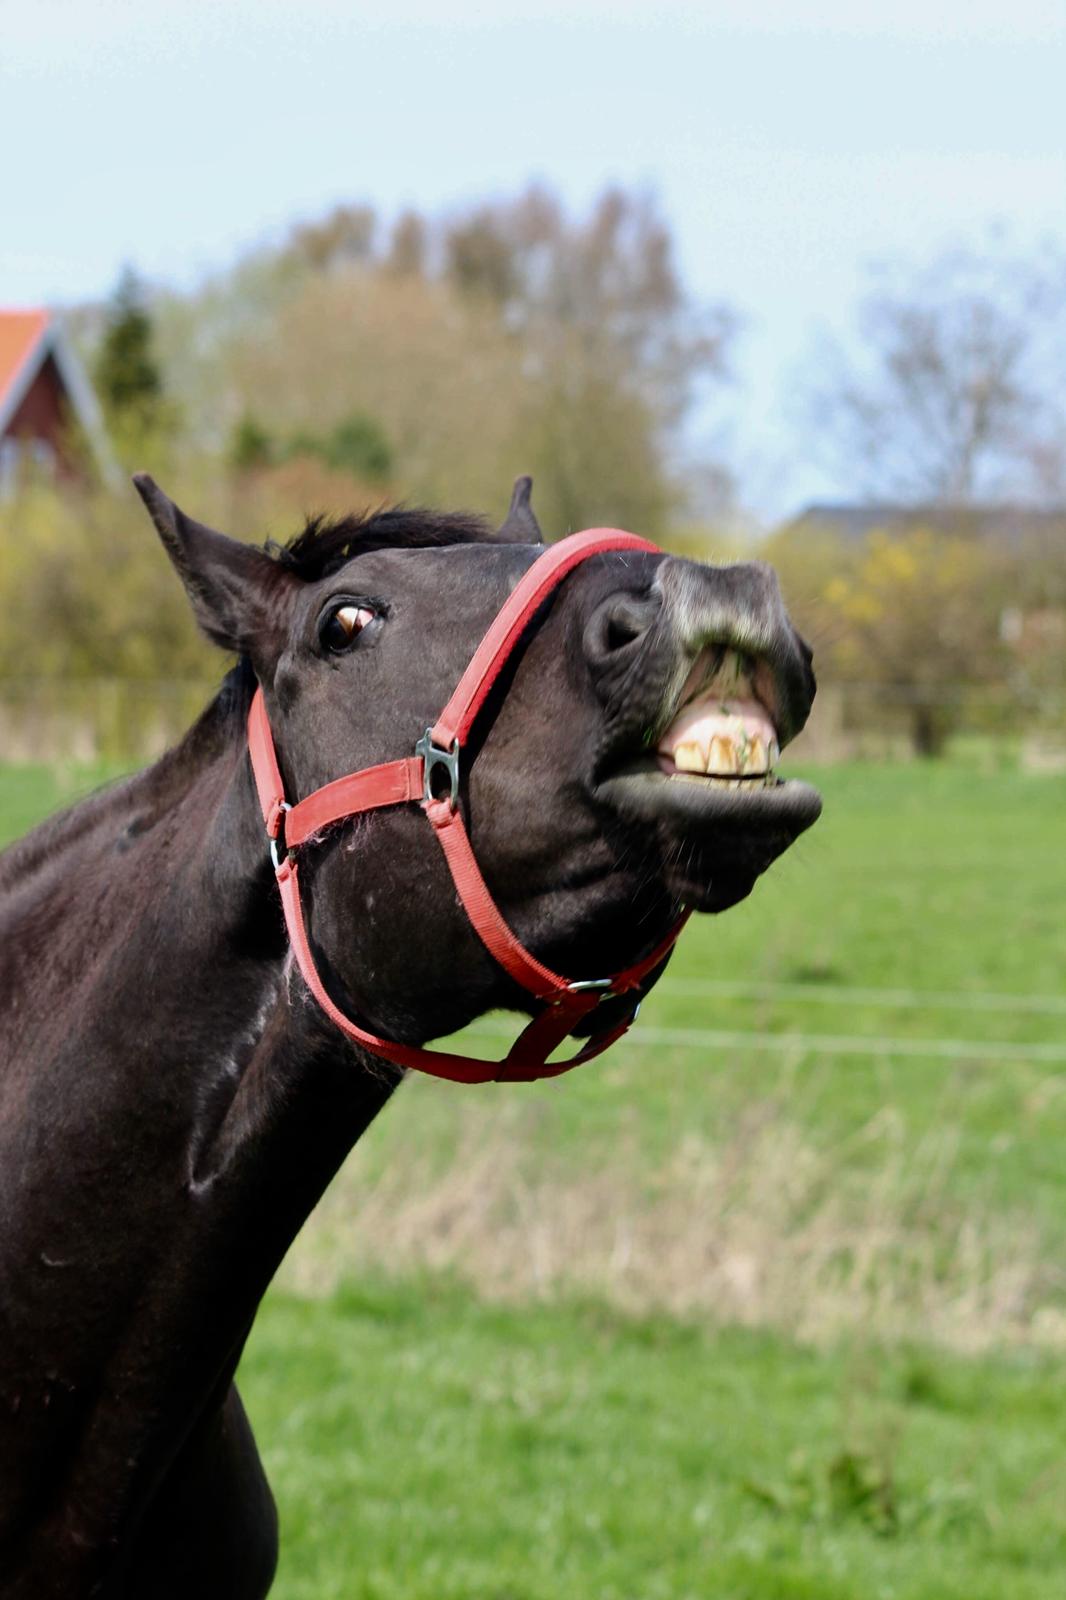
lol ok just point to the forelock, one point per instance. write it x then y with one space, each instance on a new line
326 544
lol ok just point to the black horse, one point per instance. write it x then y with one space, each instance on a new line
173 1102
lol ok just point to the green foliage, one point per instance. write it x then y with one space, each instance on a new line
251 445
593 442
857 1482
912 615
127 373
31 792
356 445
90 594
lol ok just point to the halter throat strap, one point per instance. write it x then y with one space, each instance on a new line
413 780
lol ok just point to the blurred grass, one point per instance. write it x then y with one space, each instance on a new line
430 1447
30 793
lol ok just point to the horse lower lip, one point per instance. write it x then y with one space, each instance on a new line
643 792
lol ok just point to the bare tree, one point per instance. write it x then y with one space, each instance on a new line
344 237
955 387
600 286
407 245
614 353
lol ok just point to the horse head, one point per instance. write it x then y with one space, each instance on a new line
623 763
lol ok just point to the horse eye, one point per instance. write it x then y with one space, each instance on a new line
344 625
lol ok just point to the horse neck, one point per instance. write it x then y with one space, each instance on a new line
167 1117
158 883
143 947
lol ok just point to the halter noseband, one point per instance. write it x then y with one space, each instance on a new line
563 1003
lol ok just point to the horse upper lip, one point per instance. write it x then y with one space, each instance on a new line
713 662
712 613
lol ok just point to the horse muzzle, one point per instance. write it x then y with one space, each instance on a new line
715 685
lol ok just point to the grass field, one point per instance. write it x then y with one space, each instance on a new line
770 1303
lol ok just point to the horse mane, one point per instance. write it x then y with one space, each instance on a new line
325 544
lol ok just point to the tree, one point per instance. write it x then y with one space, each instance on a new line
344 237
127 374
601 287
918 617
408 246
613 352
357 445
250 445
592 444
511 336
479 258
952 392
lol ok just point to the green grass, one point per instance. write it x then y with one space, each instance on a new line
30 793
543 1387
426 1445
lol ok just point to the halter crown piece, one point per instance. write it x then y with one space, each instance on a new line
411 781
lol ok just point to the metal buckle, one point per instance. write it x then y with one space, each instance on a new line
581 984
433 756
283 806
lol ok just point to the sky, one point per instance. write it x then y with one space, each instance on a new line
791 144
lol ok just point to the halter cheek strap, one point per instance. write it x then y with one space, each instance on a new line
414 780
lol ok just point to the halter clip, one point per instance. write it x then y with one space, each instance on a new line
276 832
432 757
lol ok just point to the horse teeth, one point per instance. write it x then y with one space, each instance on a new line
723 759
690 758
720 735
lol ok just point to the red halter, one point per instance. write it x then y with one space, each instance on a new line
400 782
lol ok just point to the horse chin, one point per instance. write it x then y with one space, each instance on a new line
716 838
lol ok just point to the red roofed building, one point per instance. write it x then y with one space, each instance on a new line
47 406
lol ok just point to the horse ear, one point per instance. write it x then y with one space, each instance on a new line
228 582
520 525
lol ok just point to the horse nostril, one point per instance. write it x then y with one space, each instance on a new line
622 630
623 620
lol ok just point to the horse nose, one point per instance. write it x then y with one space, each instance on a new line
740 606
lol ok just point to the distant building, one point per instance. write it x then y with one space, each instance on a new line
1010 526
49 418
